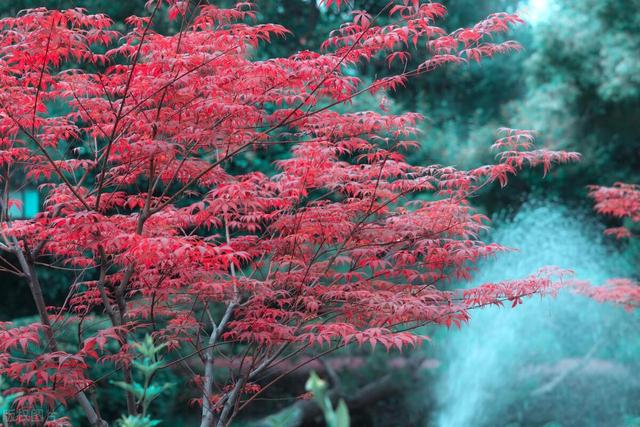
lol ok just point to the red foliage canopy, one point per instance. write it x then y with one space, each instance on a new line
344 243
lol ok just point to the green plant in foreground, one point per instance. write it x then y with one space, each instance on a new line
338 417
146 391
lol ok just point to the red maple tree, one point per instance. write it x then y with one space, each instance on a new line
620 201
131 139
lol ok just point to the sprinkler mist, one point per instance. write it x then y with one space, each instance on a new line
565 361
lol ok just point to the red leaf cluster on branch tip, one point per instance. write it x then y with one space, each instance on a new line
619 201
141 203
625 292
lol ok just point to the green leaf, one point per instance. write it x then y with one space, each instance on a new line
342 415
135 388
